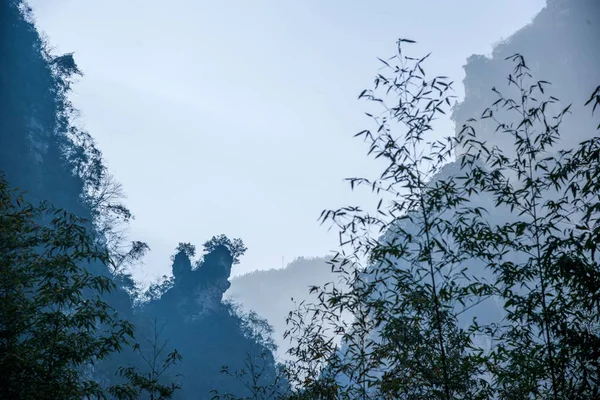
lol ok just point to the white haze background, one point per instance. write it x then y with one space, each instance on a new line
237 117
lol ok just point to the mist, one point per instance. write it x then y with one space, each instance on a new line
202 153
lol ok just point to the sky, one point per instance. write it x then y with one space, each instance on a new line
238 116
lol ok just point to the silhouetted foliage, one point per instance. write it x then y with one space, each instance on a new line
46 152
236 247
54 324
209 332
482 284
509 228
182 263
152 383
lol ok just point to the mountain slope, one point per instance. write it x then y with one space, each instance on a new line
269 293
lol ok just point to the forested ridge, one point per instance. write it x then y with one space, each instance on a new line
45 153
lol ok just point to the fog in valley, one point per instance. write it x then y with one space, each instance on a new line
299 200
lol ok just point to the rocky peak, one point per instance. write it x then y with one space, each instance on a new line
199 291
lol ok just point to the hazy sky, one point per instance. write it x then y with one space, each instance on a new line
237 117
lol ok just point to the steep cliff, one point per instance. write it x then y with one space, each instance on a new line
44 151
34 113
559 46
209 332
195 293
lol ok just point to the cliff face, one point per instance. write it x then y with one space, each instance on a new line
559 46
208 332
34 113
44 152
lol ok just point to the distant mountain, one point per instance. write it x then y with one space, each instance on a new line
560 46
269 293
